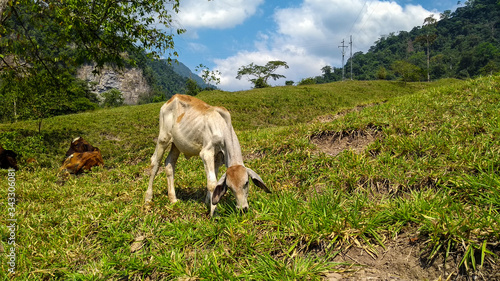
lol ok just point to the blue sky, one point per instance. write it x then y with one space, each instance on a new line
227 34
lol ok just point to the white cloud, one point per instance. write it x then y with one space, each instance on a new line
307 37
197 47
301 65
320 25
218 14
383 18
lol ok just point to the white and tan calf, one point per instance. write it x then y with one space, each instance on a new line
192 127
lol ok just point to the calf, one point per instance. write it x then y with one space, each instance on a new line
81 156
79 145
78 162
192 127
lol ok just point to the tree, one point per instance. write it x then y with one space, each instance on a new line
207 75
327 74
307 81
192 87
17 101
408 71
98 32
44 41
427 39
262 73
445 15
112 98
382 73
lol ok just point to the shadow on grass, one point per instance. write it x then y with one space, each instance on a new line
46 148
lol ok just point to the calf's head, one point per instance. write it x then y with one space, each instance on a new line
79 145
237 179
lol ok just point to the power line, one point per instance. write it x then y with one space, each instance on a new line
365 20
343 46
362 24
356 20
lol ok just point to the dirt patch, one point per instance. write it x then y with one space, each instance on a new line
333 143
110 137
404 258
400 260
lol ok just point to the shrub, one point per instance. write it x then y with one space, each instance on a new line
307 81
112 98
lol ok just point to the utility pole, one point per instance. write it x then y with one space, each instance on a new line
350 43
343 54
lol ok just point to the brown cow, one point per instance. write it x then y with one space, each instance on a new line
8 159
81 156
78 162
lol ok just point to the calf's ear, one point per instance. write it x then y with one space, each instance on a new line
257 180
220 189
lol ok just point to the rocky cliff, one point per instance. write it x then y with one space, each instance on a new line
130 82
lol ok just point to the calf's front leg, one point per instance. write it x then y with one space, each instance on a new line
155 163
207 155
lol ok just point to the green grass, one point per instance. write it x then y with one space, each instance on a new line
290 105
434 173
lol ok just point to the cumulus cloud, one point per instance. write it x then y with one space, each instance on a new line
307 37
383 18
301 66
220 14
320 25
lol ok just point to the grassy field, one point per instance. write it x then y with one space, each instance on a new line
426 179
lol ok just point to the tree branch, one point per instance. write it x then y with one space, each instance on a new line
37 55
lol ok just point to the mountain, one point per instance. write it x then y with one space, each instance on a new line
167 79
184 71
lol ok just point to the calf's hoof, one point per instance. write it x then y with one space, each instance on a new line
148 205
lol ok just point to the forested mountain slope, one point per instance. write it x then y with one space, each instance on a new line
462 44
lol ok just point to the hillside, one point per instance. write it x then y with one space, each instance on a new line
184 71
167 79
258 108
413 196
465 43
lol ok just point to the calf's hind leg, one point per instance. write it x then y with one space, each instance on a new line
170 171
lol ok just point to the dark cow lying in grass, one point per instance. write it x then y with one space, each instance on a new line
8 159
81 156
